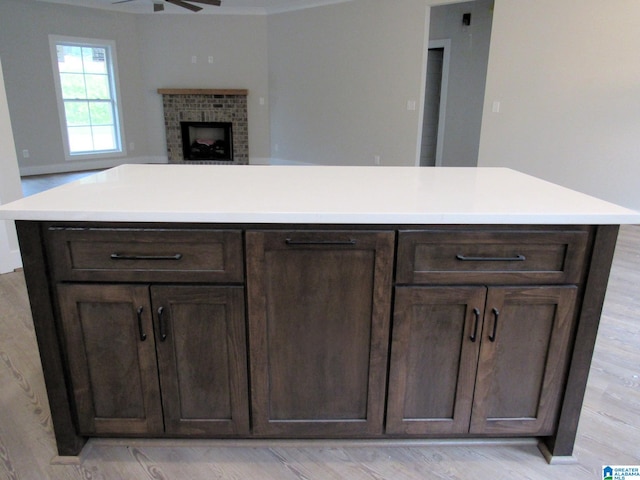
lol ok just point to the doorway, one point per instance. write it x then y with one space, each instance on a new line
456 58
435 103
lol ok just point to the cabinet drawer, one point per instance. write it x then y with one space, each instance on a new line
478 257
142 255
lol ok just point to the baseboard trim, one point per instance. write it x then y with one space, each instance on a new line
282 161
302 443
86 165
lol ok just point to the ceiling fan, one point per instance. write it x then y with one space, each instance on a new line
158 6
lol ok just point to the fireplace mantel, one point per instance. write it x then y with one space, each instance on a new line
202 91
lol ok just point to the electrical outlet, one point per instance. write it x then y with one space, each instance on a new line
25 153
376 159
194 59
210 59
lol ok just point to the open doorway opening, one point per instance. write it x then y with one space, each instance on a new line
435 103
456 70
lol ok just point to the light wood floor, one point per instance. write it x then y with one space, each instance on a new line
38 183
609 431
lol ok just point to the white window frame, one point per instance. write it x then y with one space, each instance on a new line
110 46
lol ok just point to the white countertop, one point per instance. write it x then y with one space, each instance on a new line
302 194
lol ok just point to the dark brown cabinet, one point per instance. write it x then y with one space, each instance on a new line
319 309
202 359
127 343
113 371
350 332
434 355
478 360
523 359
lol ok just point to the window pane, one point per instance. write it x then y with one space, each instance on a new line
72 85
98 87
104 138
89 98
69 58
77 113
101 113
80 139
94 60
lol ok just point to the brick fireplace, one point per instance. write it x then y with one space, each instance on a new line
201 106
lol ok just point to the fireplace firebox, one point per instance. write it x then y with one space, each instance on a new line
207 141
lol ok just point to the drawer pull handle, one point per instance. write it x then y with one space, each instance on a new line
161 322
476 314
517 258
496 314
288 241
120 256
143 336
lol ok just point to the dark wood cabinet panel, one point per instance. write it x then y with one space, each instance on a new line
123 254
112 362
523 359
125 348
319 308
202 359
490 257
515 359
434 354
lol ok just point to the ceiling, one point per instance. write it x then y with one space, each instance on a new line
242 7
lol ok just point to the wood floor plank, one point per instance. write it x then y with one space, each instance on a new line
609 430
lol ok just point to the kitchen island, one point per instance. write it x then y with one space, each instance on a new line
316 302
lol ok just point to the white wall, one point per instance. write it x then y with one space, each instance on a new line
25 26
238 45
9 185
567 76
340 77
154 51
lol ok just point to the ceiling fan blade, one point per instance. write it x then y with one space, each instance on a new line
186 5
215 3
158 7
122 1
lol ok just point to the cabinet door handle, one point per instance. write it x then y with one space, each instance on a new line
496 315
122 256
351 241
476 314
143 336
516 258
161 323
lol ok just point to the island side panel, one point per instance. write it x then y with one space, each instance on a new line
561 444
31 241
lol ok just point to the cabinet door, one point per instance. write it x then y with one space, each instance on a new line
319 311
434 354
523 359
111 355
201 344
